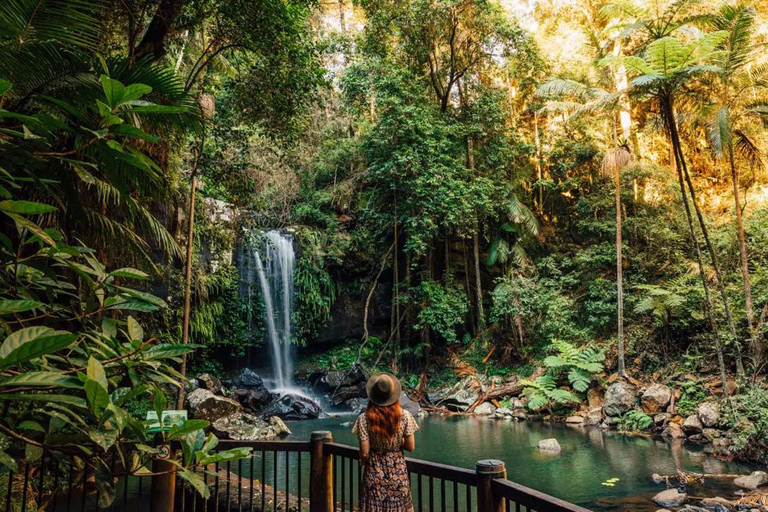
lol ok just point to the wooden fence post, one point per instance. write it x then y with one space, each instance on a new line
163 487
487 470
321 473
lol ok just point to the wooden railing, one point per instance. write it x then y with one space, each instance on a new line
280 476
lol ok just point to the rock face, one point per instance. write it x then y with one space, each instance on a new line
462 395
292 407
549 445
656 398
485 409
619 398
709 414
204 405
753 481
247 427
327 382
692 425
670 498
211 383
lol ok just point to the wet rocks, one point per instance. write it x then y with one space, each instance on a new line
709 414
575 420
211 383
692 425
674 431
753 481
656 398
253 399
247 427
485 409
670 498
549 446
462 395
351 386
717 504
409 405
620 397
248 379
293 407
203 404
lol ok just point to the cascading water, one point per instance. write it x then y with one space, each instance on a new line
275 260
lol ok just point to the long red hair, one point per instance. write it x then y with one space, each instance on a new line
383 421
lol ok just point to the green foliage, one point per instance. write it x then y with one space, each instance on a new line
315 289
693 393
581 364
543 392
634 420
747 416
443 309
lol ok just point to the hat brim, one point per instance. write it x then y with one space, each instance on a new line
394 396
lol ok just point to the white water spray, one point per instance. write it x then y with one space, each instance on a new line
275 262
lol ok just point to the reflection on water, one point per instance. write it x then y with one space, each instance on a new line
589 457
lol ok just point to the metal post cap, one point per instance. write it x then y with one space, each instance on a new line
489 466
321 435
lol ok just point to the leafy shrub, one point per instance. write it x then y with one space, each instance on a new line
693 393
544 393
748 419
581 364
444 309
635 420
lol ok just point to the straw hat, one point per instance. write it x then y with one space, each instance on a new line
383 389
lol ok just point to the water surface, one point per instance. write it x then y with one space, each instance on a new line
589 457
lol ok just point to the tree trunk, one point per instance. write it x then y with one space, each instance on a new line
478 281
679 159
154 38
716 265
756 348
619 275
472 322
187 285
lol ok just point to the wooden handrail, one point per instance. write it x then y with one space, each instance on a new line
531 498
267 446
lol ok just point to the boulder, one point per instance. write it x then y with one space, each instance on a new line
549 445
717 504
204 405
279 426
660 421
352 386
248 379
292 407
211 383
692 508
656 398
692 425
248 427
709 414
462 395
753 481
356 405
674 431
575 420
711 433
327 381
409 405
253 399
657 478
594 416
485 409
619 398
670 498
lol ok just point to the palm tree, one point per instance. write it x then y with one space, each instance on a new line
726 133
666 66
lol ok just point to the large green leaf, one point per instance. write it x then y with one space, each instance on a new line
96 372
35 379
26 207
44 397
128 272
196 481
114 91
8 307
97 396
22 224
32 342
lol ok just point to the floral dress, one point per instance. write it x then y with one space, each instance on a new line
386 486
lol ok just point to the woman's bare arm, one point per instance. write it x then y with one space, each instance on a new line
409 443
365 450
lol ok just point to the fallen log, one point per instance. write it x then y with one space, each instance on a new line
494 393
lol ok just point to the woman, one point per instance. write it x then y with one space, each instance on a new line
384 431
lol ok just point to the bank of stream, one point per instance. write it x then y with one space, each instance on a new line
590 457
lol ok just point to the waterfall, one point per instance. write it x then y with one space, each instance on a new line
275 261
